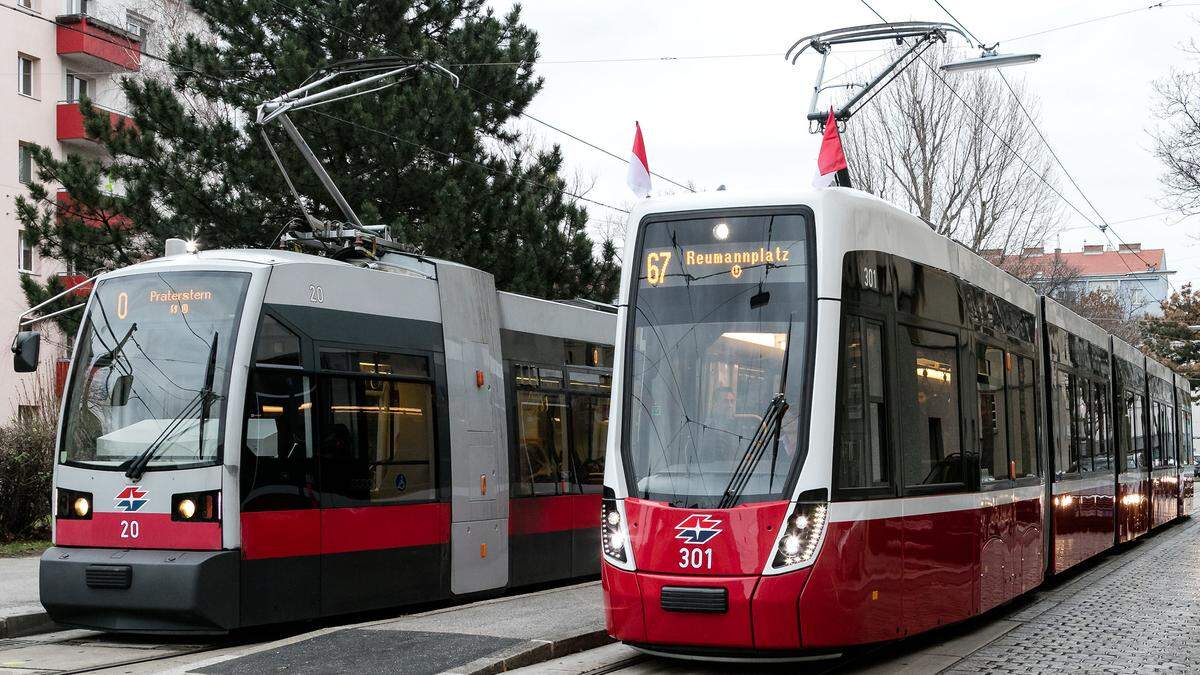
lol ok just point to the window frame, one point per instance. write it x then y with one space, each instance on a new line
25 171
886 322
962 353
323 376
25 253
27 75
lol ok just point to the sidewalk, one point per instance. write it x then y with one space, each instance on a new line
491 636
20 611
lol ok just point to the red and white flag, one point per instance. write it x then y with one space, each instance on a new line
638 177
831 160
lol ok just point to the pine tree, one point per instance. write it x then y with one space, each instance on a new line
1172 338
443 166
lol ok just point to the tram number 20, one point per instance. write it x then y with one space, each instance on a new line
695 558
130 529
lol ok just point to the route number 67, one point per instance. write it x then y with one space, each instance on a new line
695 558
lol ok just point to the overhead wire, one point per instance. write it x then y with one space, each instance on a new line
494 99
1106 227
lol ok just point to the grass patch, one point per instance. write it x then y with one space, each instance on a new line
14 549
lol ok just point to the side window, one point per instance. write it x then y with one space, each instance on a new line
1139 429
1101 434
1156 441
993 427
1022 416
862 429
276 345
377 438
277 470
1065 460
1126 453
589 431
1081 459
931 435
541 442
1168 436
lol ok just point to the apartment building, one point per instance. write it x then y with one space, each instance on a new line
1138 276
58 52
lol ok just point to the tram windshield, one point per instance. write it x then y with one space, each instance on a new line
722 307
152 370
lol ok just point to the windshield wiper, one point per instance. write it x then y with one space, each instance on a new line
767 429
199 403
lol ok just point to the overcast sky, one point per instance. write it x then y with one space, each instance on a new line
739 120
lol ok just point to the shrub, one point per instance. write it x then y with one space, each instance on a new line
26 469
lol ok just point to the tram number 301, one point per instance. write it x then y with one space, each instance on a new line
130 529
695 558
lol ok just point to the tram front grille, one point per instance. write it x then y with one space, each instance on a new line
695 599
109 576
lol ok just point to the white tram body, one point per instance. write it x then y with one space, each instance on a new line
833 426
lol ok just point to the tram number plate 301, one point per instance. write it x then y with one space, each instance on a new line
695 558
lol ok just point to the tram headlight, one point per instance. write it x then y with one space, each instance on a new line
614 538
196 507
74 505
801 534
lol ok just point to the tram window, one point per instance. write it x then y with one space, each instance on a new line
589 432
276 345
1189 453
1081 451
1168 436
588 354
277 470
380 363
377 442
929 395
1139 429
1126 455
993 431
541 442
1101 434
1065 458
1155 438
1022 416
862 430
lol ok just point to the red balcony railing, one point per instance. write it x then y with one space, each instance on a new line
70 280
103 45
99 219
70 121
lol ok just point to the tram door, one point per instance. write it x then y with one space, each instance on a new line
478 441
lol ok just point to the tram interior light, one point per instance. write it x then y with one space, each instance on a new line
801 535
74 505
721 231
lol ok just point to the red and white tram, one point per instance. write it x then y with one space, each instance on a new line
262 436
833 426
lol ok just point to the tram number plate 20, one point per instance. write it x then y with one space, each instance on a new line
695 558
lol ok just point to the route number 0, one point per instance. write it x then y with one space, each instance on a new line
695 558
130 529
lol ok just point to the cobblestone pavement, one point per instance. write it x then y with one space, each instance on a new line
1136 612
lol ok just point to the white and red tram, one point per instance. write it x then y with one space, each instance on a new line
832 426
251 437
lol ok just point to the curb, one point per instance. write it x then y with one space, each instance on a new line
19 625
533 652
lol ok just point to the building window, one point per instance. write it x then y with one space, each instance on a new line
24 253
25 67
138 25
77 88
25 163
82 6
26 4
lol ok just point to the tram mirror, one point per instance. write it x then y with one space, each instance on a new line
120 391
26 347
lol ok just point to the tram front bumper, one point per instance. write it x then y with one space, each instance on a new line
141 591
758 612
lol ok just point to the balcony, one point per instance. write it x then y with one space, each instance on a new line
94 46
90 217
70 123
